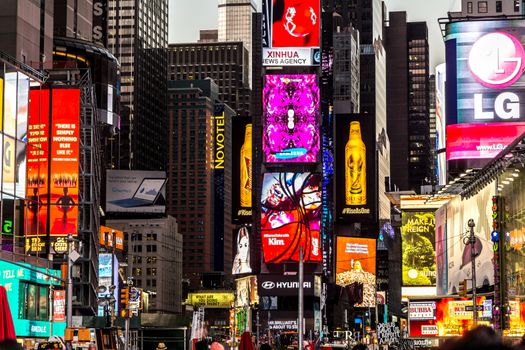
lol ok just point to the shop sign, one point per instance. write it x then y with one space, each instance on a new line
284 285
284 325
210 300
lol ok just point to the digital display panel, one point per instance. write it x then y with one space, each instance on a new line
418 248
355 167
65 153
484 86
290 217
242 169
243 247
37 182
291 118
356 263
291 32
446 317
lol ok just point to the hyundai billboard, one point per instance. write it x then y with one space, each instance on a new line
291 118
485 97
290 217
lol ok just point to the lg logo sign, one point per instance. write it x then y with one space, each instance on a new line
268 285
496 61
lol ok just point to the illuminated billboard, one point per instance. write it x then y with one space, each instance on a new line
291 118
37 182
290 217
64 161
111 238
356 263
446 317
459 261
418 233
484 89
355 168
129 191
291 32
246 291
243 246
242 169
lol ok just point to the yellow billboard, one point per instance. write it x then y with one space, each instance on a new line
210 300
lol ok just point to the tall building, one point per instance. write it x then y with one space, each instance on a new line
192 181
235 24
73 19
408 102
24 38
226 63
154 250
491 7
138 36
346 69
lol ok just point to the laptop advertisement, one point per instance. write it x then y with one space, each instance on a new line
132 191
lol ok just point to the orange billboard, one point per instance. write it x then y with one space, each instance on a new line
111 238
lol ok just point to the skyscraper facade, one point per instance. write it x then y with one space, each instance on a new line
225 63
408 102
138 37
235 23
192 185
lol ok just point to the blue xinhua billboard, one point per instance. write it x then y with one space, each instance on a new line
28 297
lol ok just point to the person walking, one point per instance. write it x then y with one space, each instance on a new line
161 346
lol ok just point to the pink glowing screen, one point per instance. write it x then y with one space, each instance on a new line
291 118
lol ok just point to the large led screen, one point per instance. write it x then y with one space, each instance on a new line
291 118
37 182
290 217
291 32
135 191
242 157
64 165
485 86
356 263
355 168
418 247
243 246
446 317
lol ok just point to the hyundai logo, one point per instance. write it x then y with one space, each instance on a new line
268 285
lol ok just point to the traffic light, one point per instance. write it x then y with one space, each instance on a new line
124 298
462 288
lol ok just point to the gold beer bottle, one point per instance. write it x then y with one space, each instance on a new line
355 167
246 169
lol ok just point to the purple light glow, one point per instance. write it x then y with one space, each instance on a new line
291 118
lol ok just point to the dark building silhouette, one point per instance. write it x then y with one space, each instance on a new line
408 102
193 184
224 62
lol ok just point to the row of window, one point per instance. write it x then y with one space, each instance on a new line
484 8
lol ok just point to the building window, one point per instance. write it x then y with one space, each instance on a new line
482 7
499 7
469 7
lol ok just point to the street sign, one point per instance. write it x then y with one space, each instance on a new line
134 294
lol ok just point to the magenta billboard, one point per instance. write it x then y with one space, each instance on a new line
291 118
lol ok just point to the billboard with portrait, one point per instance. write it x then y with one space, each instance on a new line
242 170
291 32
290 217
129 191
291 118
243 247
356 263
459 258
446 317
246 291
355 168
485 98
418 245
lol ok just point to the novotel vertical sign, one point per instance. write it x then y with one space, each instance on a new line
218 141
485 89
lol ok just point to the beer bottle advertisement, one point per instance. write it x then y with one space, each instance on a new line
355 168
242 169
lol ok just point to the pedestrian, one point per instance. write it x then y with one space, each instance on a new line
161 346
